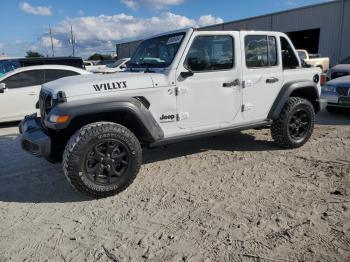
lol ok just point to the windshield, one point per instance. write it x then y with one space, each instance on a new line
157 52
117 63
302 55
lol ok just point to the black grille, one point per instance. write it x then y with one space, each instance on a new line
343 91
338 74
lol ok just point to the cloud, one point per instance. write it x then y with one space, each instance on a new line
101 33
131 4
207 20
120 27
46 42
155 4
81 12
35 10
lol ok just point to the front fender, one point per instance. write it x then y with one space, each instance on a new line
129 105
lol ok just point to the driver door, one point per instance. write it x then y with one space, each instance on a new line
211 97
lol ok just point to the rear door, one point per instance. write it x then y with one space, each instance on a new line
211 96
262 73
21 95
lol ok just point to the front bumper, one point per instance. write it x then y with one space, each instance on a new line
323 103
34 138
334 100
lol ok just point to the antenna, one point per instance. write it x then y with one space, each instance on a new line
72 39
53 52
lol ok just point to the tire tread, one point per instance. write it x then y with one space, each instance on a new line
278 130
71 153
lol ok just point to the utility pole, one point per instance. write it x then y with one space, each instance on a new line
72 39
53 52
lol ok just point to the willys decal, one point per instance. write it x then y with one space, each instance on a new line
110 86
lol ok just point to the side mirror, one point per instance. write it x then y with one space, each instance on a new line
186 74
2 88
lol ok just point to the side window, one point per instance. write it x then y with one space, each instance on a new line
289 59
210 53
25 79
260 51
54 74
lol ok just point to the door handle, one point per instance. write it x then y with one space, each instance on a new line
272 80
232 83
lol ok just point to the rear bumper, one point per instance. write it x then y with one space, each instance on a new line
34 139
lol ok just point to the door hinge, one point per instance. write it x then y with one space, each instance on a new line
247 107
180 90
182 116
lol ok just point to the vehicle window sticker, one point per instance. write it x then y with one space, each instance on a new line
174 40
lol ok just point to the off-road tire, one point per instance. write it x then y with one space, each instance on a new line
78 146
280 127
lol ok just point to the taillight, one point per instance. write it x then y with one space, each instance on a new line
323 79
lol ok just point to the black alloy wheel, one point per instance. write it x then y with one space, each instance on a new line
299 125
107 161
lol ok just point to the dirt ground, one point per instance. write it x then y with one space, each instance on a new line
236 197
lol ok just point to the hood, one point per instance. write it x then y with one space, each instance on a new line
341 81
99 84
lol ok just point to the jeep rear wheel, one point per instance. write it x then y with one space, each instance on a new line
102 159
295 124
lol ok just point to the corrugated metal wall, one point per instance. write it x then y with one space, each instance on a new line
326 17
345 36
332 18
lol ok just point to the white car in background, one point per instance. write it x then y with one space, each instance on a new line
117 66
89 64
314 60
20 88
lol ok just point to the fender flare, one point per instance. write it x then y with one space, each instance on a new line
286 92
129 105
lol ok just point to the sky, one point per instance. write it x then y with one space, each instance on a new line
99 24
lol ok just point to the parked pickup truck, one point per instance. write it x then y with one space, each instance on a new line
179 85
321 62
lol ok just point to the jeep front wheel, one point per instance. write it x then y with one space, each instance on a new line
295 124
102 159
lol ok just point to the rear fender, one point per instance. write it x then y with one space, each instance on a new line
304 89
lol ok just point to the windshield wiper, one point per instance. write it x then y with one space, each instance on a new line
132 65
147 66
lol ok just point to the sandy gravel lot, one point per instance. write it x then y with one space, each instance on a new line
231 198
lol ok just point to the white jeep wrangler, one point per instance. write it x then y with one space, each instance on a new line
178 86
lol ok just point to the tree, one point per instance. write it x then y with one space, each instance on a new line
33 54
97 57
